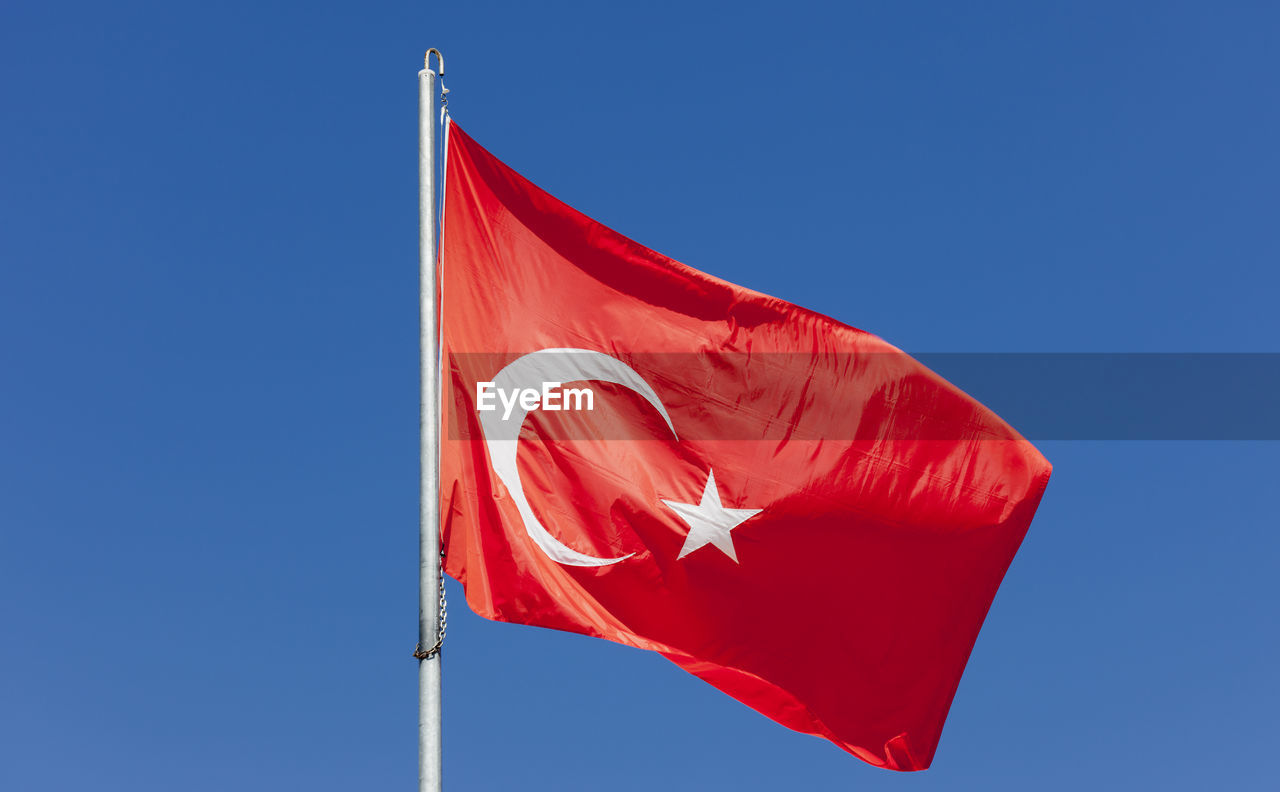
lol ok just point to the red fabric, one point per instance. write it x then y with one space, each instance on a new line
891 502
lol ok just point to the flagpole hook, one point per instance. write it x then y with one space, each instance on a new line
426 60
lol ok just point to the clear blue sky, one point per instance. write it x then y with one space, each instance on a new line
208 330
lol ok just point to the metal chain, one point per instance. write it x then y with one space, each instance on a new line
444 606
443 623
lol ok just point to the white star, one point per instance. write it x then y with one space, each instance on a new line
709 521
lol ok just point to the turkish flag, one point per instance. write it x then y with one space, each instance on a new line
785 506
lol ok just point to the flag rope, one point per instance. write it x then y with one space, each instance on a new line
418 651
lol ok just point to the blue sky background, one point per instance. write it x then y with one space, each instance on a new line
208 346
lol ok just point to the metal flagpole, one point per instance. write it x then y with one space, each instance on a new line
429 634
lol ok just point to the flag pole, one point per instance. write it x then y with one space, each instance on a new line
428 651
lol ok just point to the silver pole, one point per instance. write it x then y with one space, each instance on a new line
429 505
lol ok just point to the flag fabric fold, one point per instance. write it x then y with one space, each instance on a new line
787 507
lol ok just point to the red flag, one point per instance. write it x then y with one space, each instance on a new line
787 507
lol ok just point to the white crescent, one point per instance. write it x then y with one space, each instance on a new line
502 436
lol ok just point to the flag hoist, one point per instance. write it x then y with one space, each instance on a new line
430 628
